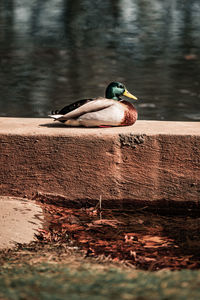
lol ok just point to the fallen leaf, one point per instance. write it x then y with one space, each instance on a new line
107 222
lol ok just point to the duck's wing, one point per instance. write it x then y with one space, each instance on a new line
80 108
71 107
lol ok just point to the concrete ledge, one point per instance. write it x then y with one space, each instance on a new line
150 161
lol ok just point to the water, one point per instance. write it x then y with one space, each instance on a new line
58 51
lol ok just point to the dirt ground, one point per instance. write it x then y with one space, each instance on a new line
143 239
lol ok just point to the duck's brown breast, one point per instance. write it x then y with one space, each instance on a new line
130 114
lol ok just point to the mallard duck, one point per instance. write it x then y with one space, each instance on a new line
100 112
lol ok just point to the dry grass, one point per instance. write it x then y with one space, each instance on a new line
50 271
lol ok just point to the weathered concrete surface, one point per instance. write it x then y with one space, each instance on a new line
149 161
19 221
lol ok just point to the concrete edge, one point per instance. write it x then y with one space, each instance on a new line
150 163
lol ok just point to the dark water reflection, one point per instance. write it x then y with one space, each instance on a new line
57 51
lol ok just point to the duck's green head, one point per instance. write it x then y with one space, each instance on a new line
116 89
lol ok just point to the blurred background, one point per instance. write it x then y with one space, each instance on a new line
54 52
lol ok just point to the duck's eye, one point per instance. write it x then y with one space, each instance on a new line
121 86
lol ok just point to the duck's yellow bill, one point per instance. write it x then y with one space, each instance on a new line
129 95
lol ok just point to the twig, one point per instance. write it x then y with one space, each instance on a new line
100 202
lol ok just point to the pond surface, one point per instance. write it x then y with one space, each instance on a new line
58 51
